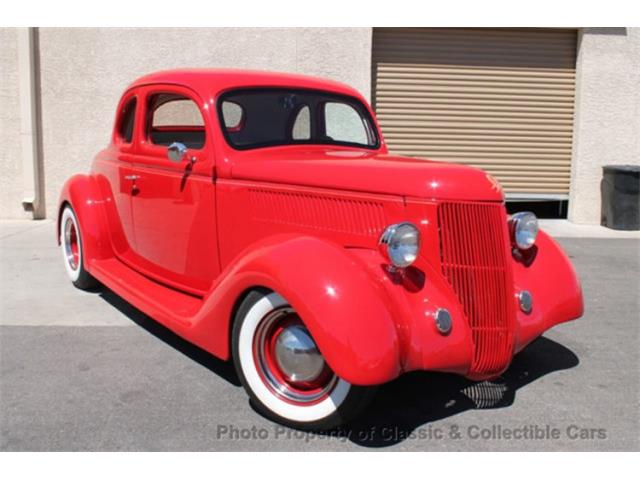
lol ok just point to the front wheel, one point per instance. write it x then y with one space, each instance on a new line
283 371
71 245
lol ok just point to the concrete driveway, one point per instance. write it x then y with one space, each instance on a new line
85 371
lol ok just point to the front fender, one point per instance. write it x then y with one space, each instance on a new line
83 194
557 296
335 297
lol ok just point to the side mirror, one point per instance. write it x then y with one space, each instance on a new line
176 152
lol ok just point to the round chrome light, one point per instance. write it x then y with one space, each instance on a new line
524 229
525 299
400 244
443 321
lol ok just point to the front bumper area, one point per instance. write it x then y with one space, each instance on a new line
415 295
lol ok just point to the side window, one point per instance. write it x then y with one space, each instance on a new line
344 124
233 116
174 118
127 120
302 125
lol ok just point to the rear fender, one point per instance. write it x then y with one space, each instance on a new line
82 193
335 297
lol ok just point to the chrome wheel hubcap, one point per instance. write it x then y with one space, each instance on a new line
288 360
297 354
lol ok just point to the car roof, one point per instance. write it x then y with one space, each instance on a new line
214 81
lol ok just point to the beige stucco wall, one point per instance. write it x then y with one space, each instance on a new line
607 121
11 184
84 71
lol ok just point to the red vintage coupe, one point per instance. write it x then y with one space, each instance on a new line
261 217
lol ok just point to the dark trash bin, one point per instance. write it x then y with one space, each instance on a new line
620 188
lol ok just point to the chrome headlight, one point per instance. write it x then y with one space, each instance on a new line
400 244
524 229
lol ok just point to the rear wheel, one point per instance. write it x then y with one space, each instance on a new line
71 245
283 371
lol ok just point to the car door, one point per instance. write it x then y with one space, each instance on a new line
173 203
113 172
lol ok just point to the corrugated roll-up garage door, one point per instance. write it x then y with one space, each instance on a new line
499 99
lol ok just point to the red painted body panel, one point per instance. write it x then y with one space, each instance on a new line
184 242
365 171
83 193
555 287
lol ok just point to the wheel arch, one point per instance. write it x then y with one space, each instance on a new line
81 193
334 295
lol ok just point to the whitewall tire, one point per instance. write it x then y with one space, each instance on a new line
72 253
283 371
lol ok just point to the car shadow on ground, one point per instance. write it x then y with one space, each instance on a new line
402 407
221 368
416 399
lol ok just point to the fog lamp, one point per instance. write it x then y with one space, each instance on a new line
525 300
443 321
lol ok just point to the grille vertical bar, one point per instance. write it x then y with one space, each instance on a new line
474 246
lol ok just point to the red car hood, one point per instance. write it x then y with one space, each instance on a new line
355 170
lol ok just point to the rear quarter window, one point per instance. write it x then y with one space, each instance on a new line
127 121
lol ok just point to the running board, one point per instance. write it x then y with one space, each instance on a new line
164 304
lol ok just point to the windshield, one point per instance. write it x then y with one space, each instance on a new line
267 117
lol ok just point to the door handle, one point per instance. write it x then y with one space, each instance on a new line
132 177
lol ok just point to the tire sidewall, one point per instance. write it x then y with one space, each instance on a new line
68 214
